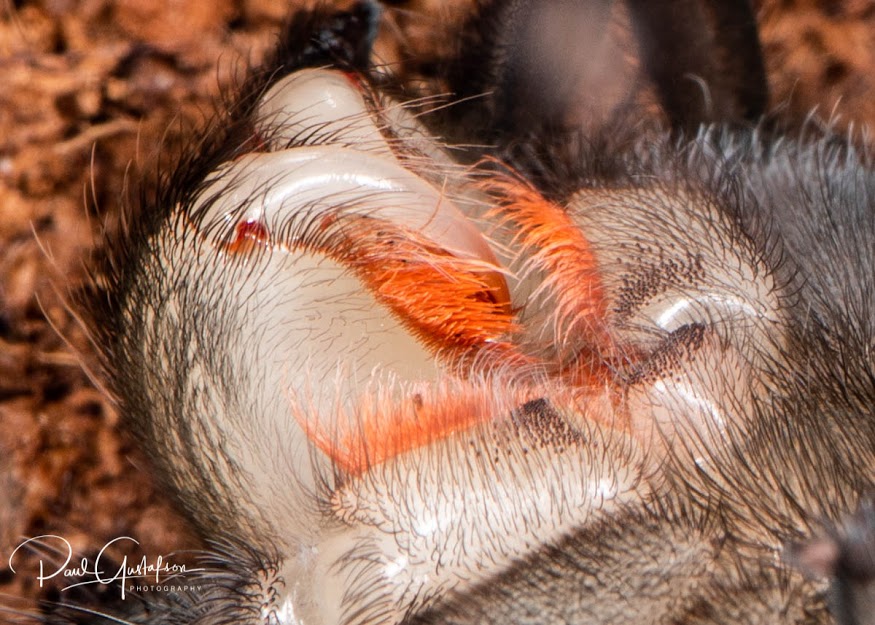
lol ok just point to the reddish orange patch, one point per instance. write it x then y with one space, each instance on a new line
353 78
456 307
381 430
561 252
247 235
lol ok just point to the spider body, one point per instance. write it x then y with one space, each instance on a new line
594 376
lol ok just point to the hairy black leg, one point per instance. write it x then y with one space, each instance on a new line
704 57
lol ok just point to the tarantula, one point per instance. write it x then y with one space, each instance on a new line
546 350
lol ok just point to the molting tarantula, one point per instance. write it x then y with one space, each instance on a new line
551 349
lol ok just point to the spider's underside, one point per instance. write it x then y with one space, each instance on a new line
591 371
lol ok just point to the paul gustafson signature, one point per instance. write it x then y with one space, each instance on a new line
93 572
